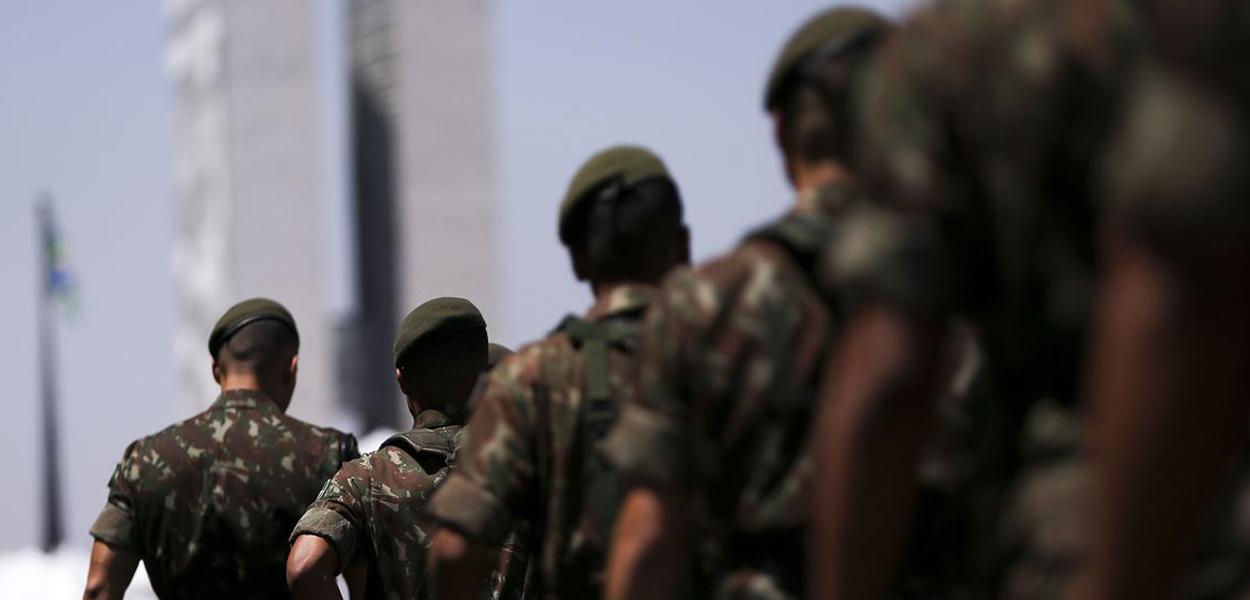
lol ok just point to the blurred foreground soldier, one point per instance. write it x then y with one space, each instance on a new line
983 125
370 511
1171 350
532 453
714 445
207 503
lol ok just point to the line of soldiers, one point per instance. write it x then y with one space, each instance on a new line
997 346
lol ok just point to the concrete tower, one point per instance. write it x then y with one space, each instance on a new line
248 182
423 173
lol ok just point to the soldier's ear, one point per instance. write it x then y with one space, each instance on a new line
579 265
217 374
403 383
294 367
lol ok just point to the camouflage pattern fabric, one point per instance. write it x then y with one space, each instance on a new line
728 364
208 503
506 477
371 510
983 123
1043 534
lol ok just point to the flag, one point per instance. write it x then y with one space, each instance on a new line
57 290
60 285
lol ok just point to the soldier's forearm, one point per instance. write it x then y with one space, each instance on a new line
311 569
1168 407
110 572
877 404
648 547
458 567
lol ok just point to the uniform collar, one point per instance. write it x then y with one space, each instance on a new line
624 298
431 418
830 199
246 399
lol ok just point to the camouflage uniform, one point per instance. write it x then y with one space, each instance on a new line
988 126
729 361
527 458
371 509
207 503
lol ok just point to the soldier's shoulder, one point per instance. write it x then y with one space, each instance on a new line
322 438
527 363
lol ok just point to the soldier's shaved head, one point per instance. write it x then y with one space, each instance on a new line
262 354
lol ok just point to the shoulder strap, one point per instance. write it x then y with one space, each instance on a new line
594 339
433 449
803 235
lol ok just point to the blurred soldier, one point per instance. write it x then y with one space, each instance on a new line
983 126
1172 348
714 446
207 503
532 453
370 511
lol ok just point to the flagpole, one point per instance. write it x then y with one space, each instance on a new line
52 532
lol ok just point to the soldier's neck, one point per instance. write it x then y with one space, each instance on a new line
813 176
603 290
247 381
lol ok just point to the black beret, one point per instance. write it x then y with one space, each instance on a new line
629 164
837 29
440 315
495 353
245 313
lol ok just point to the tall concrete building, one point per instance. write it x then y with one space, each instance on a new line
423 176
248 182
422 218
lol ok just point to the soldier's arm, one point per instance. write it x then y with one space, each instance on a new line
110 572
648 552
1169 408
311 568
458 566
877 403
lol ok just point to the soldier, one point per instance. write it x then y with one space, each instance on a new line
207 503
713 446
531 456
370 511
984 124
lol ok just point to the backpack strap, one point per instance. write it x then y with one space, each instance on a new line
595 339
803 236
433 449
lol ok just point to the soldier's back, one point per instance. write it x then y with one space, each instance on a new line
208 503
371 509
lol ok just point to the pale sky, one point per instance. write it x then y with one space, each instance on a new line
86 113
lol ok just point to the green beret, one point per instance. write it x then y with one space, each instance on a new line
629 164
495 353
244 313
833 31
440 315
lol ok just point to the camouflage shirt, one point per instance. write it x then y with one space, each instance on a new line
208 503
371 510
507 475
728 365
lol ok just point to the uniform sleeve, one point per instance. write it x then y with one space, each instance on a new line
883 255
337 515
494 472
648 444
117 523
